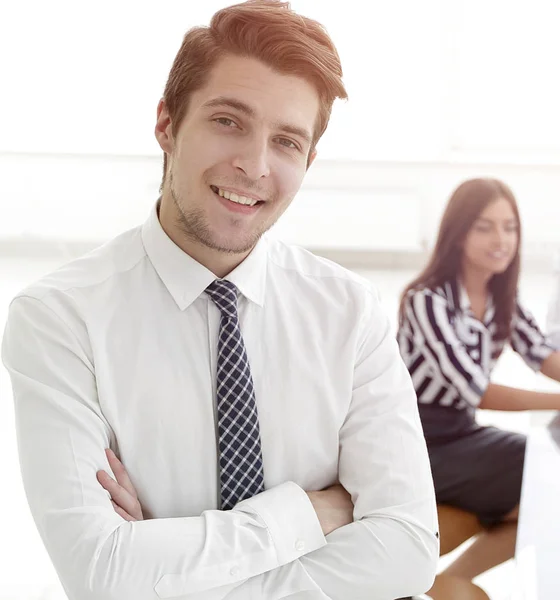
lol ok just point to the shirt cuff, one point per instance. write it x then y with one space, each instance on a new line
553 339
544 352
290 518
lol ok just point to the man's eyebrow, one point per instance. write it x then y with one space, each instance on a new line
301 132
232 103
294 130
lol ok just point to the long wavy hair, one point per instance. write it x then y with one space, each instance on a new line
463 208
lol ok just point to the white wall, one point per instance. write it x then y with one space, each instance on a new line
440 91
365 207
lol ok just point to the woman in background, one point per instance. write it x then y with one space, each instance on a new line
455 319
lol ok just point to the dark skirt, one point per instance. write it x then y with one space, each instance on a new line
479 471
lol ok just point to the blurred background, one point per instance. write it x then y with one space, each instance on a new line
439 91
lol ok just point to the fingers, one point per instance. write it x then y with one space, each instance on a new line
122 492
122 513
120 473
120 496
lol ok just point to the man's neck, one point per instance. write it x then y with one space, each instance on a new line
219 263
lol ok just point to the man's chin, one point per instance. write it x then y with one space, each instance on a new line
231 246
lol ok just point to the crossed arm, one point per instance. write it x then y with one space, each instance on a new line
389 550
333 505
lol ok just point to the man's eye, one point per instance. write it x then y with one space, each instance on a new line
226 122
288 143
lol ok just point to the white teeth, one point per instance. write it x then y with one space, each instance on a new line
237 199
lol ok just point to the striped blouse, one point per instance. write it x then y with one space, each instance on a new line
450 354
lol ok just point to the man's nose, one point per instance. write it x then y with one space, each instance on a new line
253 158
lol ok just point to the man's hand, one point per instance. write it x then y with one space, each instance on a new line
123 495
333 506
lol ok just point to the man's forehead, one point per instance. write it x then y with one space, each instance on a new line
253 88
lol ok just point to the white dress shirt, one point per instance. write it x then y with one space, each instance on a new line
118 349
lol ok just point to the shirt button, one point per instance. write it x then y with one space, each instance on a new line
300 545
234 572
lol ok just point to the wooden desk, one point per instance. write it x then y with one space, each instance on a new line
538 536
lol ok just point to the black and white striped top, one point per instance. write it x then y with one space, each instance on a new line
450 354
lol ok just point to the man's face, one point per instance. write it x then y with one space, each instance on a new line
240 153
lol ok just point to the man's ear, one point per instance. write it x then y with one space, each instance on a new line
311 157
163 132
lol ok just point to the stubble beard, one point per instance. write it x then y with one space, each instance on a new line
194 225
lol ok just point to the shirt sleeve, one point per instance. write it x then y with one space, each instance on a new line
528 340
391 549
62 434
429 317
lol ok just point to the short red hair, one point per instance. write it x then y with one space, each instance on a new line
269 31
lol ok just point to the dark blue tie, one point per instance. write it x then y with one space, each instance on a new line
241 467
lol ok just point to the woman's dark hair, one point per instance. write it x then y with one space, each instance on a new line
462 210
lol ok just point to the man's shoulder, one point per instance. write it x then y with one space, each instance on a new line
303 263
90 270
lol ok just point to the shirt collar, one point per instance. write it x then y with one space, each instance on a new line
465 303
186 279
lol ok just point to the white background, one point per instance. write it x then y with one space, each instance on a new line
440 90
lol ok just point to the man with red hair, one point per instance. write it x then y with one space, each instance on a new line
247 396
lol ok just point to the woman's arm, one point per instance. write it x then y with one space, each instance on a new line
501 397
551 366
